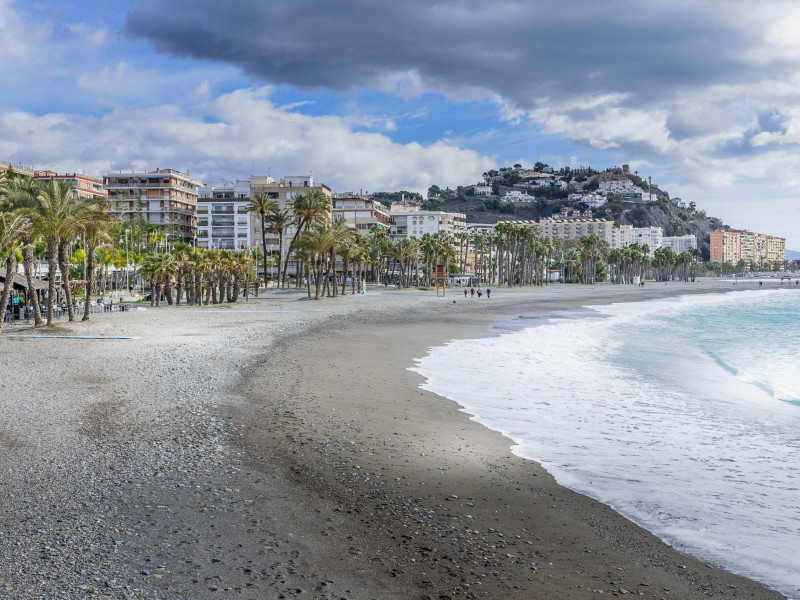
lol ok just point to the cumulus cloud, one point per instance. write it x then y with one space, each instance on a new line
227 135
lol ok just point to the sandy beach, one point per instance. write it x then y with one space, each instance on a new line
282 449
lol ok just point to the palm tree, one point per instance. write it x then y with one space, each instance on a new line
106 257
19 192
263 205
309 209
318 241
12 229
181 253
95 229
695 254
279 221
56 215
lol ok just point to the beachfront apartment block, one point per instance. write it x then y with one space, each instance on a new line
407 221
572 228
83 187
679 243
776 249
222 218
626 235
360 212
283 192
164 197
754 248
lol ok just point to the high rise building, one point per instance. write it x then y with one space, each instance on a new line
726 246
164 197
753 247
283 192
560 227
222 218
626 235
776 249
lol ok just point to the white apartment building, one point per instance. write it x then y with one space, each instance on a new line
360 212
483 190
222 218
627 235
680 243
412 222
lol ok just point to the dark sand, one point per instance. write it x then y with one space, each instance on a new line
391 492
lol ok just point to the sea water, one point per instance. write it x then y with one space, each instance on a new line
682 414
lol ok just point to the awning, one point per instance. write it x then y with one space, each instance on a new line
20 282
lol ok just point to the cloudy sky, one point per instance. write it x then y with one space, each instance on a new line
702 95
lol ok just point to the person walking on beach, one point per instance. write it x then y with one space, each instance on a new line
488 293
465 292
472 292
480 293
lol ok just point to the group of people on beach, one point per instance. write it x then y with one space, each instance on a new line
471 292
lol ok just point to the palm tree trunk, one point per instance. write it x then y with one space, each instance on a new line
63 265
52 260
334 285
179 287
90 265
318 277
11 269
289 252
27 263
264 242
153 290
280 260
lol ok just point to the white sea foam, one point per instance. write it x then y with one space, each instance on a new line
682 414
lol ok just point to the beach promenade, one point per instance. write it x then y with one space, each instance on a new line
281 448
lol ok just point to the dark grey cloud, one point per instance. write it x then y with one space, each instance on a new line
524 51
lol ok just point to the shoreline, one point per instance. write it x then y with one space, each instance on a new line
440 498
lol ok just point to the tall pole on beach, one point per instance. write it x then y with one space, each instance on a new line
127 263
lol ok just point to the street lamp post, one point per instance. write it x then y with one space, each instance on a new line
127 264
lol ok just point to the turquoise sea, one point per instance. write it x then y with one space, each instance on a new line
682 414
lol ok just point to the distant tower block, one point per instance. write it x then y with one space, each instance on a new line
626 169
